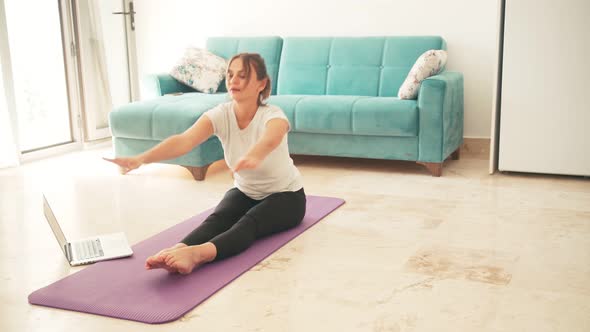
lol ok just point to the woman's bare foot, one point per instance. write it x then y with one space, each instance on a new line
185 259
157 261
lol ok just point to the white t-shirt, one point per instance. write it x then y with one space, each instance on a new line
276 173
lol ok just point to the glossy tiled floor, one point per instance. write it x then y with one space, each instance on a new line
407 252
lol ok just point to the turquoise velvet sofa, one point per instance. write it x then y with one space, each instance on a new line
339 94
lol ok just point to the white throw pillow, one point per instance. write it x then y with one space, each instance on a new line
200 69
428 64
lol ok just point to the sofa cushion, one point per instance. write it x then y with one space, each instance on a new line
377 116
385 116
360 66
287 103
399 55
200 69
325 114
428 64
161 117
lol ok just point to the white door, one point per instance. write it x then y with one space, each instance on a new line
106 48
544 110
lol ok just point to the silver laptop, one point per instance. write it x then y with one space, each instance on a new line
87 250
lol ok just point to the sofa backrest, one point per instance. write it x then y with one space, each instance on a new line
362 66
268 47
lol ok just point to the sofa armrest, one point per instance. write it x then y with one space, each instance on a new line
156 85
440 105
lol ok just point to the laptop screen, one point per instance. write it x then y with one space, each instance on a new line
59 235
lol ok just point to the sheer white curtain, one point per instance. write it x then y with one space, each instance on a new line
9 155
98 98
8 148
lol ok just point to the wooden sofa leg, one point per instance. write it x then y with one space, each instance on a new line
455 155
198 172
434 168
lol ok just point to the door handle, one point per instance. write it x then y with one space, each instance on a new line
131 14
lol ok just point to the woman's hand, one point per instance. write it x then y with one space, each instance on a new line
247 162
126 164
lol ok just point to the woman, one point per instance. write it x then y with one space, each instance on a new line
268 196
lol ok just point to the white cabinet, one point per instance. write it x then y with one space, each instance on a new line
545 87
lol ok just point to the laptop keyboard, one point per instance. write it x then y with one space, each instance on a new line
89 249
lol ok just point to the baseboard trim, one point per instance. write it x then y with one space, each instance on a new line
476 146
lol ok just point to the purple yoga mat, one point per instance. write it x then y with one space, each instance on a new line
122 288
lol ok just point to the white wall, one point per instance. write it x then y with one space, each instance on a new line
165 28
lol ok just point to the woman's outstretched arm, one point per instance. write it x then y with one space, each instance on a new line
274 132
170 148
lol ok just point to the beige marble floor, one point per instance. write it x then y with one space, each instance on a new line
407 252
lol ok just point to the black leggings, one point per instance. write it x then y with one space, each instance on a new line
238 220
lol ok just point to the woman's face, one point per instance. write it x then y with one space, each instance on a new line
237 85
